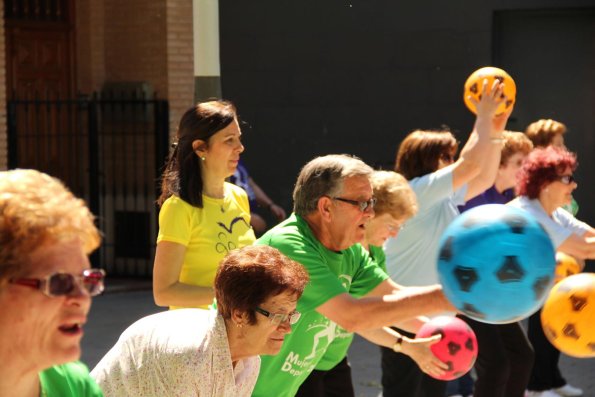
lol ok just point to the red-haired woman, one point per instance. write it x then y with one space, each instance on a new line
545 185
195 352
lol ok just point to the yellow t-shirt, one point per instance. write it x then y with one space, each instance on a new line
208 233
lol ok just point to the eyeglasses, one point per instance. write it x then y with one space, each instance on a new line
566 179
64 284
278 318
363 205
394 228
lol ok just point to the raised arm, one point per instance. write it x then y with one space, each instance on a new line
478 163
167 289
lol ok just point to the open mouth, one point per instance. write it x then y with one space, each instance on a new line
71 329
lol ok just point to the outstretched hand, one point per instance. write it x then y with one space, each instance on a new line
419 350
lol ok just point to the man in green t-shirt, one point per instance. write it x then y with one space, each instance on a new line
333 200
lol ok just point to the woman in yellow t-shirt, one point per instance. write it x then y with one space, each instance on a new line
202 216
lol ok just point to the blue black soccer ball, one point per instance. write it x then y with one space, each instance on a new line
496 263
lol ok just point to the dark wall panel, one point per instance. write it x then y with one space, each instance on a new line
319 77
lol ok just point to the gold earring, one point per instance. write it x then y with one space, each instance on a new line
203 158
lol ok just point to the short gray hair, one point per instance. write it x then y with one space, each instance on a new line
324 176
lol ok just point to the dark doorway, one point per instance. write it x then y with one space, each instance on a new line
551 55
39 55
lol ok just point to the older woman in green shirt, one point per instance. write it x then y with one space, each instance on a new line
46 286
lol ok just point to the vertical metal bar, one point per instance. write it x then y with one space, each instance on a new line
93 168
13 158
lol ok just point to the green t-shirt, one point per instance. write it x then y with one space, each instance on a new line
331 274
377 254
337 350
68 380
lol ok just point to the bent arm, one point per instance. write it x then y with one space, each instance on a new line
392 307
478 163
263 199
167 289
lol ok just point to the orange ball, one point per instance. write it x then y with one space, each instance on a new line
566 266
568 315
474 85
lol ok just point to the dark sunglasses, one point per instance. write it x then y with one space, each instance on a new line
65 284
566 179
278 318
362 205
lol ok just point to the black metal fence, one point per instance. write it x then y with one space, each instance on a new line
108 151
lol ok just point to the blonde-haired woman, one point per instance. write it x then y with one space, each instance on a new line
46 285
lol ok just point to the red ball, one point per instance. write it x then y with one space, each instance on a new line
457 348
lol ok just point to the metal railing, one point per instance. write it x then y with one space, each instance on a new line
108 151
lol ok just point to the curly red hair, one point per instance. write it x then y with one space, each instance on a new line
541 167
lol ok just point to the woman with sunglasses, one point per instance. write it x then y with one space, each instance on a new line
427 160
545 185
194 352
46 286
202 216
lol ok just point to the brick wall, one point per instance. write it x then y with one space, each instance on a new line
180 59
90 45
137 40
3 135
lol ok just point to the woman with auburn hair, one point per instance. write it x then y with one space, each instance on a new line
548 132
202 216
46 285
195 352
545 185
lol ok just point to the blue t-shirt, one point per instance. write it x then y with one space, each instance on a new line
241 178
411 257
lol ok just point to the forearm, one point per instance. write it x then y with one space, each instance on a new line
418 349
412 325
184 295
402 305
380 336
579 247
261 197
